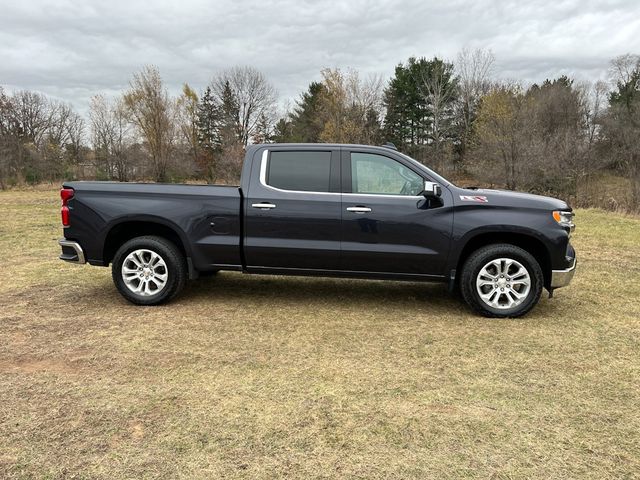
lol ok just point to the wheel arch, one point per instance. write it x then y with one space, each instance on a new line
126 229
525 240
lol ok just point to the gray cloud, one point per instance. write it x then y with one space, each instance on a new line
74 49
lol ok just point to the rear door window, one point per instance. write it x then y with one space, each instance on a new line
299 171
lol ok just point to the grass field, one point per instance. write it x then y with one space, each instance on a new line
266 377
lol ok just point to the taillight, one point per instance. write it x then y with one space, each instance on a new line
66 194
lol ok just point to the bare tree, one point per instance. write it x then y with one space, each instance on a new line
501 141
229 164
545 136
188 120
101 126
623 69
365 93
44 128
594 97
365 97
473 68
153 113
349 107
9 141
621 128
334 104
75 137
33 113
439 87
63 140
110 134
255 98
559 155
60 116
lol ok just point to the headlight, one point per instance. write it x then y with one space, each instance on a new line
565 219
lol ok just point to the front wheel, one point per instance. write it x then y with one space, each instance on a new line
149 270
501 280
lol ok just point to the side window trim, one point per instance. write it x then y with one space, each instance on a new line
264 162
346 175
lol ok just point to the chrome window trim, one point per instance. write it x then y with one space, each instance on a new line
263 179
387 195
263 182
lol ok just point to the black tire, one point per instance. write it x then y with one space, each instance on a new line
479 259
176 270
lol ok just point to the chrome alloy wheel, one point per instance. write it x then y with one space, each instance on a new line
503 283
144 272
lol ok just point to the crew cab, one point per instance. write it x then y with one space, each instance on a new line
324 210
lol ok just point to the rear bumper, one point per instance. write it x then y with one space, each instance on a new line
71 251
562 278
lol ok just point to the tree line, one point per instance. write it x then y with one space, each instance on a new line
579 141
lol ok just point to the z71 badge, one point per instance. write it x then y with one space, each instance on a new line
474 198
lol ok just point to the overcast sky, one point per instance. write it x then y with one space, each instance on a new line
72 50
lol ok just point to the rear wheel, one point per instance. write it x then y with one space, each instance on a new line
501 280
149 270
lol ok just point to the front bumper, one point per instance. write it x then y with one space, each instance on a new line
562 278
71 251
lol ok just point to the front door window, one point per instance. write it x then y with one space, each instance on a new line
377 174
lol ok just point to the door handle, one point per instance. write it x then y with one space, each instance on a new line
358 209
263 206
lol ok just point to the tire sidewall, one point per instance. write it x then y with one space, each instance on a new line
483 256
169 254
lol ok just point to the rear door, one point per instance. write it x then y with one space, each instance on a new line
293 210
388 226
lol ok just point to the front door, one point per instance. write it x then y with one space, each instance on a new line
293 210
388 226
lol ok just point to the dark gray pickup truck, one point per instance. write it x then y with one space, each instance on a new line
324 210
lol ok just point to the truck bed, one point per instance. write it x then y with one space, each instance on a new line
104 211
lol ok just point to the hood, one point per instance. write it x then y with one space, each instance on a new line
507 198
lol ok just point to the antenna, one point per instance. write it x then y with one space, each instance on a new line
390 145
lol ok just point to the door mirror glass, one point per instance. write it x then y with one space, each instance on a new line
432 190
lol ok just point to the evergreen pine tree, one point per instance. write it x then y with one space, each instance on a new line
208 122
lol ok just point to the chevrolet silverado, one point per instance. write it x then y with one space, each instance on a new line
324 210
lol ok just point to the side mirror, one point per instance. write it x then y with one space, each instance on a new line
432 190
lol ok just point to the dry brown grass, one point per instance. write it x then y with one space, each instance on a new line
264 377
